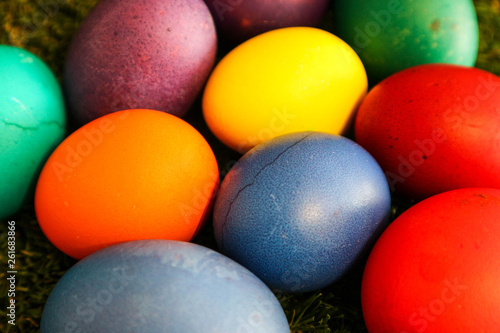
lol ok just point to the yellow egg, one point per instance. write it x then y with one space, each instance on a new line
286 80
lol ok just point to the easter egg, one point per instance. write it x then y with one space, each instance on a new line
391 35
434 128
239 20
161 286
299 209
132 174
283 81
139 54
435 269
32 124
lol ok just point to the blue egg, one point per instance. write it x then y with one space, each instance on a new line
299 209
161 286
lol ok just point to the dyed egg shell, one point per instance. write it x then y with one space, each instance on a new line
391 35
161 286
283 81
298 210
32 124
436 267
239 20
139 54
132 174
434 128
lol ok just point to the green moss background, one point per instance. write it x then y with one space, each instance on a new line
45 27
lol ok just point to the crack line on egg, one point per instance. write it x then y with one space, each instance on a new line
253 182
32 128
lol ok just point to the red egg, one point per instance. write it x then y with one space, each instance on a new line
436 268
434 128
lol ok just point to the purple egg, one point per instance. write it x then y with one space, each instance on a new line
149 54
239 20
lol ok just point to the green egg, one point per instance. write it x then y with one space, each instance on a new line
391 35
32 124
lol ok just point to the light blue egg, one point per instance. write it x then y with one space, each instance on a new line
161 286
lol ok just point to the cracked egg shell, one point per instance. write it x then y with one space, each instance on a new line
32 124
130 54
299 209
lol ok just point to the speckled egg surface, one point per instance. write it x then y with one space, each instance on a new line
435 269
161 286
32 124
434 128
299 209
391 35
148 54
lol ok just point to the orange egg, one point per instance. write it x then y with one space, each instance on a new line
132 174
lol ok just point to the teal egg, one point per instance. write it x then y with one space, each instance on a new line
391 35
32 124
